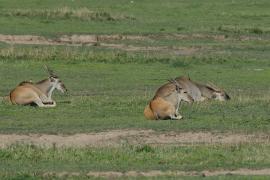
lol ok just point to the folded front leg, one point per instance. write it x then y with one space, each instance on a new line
176 117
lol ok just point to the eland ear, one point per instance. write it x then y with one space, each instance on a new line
173 81
213 87
177 85
170 80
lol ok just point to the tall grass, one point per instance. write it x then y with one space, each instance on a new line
84 14
100 54
241 30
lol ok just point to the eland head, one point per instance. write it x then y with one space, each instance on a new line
55 81
218 93
183 94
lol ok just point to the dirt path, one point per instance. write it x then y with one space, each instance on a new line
117 41
115 174
93 39
121 137
96 40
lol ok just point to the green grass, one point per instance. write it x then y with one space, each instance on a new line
138 158
112 94
141 16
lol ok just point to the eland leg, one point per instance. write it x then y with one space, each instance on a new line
176 117
45 99
41 104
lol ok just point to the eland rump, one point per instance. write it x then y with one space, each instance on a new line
40 93
165 104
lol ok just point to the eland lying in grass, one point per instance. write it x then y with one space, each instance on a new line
165 104
40 93
201 92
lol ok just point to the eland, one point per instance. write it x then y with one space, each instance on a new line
40 93
165 104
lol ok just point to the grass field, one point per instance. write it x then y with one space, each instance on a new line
113 94
110 82
50 17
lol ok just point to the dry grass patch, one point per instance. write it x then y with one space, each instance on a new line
84 14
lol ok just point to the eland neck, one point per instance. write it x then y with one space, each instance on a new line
46 87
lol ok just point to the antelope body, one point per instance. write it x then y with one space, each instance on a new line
165 104
201 92
40 93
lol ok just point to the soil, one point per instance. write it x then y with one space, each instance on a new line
155 173
120 137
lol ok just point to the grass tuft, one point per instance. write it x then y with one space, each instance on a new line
241 30
144 148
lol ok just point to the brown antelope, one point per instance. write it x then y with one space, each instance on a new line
40 93
165 104
201 92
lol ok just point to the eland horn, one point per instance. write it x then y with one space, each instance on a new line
50 71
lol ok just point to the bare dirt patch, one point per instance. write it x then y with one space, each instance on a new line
117 41
121 137
155 173
93 39
26 39
246 172
97 40
65 39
